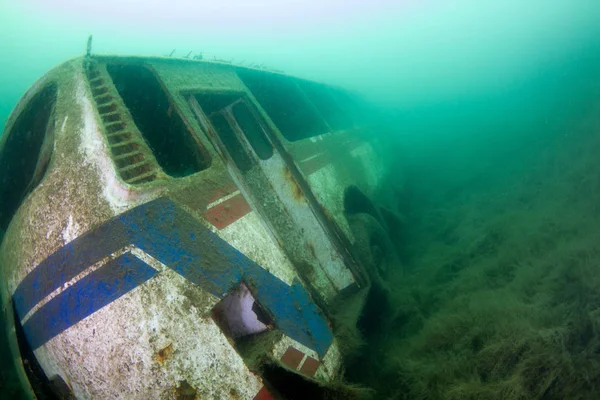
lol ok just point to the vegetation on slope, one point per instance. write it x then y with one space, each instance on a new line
500 297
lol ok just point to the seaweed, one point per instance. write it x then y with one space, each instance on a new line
500 298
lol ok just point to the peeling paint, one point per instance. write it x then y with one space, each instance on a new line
71 231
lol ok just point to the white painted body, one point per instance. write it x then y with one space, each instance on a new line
156 336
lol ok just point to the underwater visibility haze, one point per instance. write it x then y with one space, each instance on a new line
494 109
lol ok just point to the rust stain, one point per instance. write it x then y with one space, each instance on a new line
164 354
185 391
311 248
296 190
327 214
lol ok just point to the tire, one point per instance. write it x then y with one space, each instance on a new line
374 248
378 257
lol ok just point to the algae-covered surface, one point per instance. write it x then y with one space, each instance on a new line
497 292
494 109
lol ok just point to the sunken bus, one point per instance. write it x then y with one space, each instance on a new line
188 229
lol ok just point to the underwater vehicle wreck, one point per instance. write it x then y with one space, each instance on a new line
184 229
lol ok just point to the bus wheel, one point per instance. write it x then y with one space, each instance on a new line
374 248
376 253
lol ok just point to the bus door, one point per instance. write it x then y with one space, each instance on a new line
243 137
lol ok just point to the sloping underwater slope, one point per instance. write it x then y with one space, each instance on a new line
499 297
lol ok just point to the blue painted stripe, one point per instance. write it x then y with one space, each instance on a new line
178 240
85 297
310 321
291 308
208 261
67 262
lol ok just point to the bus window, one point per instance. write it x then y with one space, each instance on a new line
287 106
230 141
176 149
328 107
253 130
26 152
214 106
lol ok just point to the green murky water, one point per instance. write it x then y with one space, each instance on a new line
497 295
496 114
